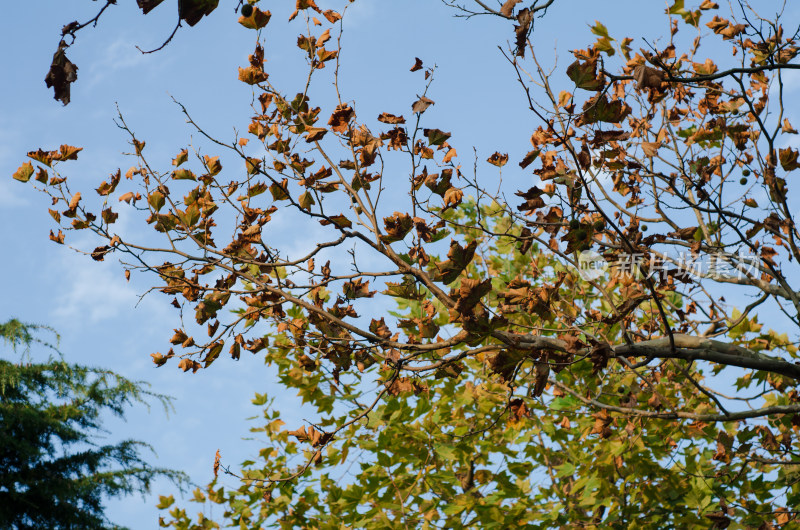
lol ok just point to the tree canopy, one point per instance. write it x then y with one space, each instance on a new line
56 474
565 355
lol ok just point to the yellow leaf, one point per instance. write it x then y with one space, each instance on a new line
24 173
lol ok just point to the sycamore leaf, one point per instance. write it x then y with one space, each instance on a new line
213 164
599 108
193 10
788 159
458 259
421 105
278 191
331 15
57 238
469 294
507 9
417 64
182 157
498 159
62 74
24 172
73 202
188 364
650 149
304 4
584 75
257 19
396 227
314 134
340 119
391 118
435 136
529 158
339 221
156 200
43 157
405 385
305 200
452 197
183 174
252 75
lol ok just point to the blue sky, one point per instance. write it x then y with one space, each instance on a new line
91 304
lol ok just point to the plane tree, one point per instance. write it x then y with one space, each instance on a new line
589 350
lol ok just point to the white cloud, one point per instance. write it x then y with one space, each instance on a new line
95 292
117 56
11 194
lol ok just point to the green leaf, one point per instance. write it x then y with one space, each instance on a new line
445 451
156 200
436 136
584 75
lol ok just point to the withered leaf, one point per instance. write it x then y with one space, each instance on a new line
67 152
452 197
529 158
257 20
339 221
498 159
193 10
213 164
73 202
357 288
469 294
650 149
788 159
584 75
331 15
542 371
417 64
188 364
62 73
24 172
57 238
647 77
507 9
404 385
397 226
599 108
98 254
44 157
379 328
458 259
524 17
182 157
391 119
148 5
340 119
314 134
252 75
306 4
533 200
421 105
